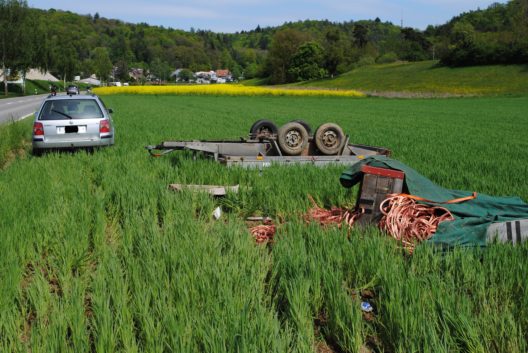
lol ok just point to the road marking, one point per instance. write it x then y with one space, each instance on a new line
25 116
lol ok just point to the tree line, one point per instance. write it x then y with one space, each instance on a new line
69 44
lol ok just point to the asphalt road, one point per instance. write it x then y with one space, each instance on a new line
19 107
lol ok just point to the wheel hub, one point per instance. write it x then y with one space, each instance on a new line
330 139
293 138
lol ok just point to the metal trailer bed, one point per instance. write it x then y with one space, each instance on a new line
264 152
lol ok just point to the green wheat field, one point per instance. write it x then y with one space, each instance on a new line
97 255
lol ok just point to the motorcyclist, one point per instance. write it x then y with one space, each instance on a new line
53 90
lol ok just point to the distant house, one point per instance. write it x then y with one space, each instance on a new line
92 81
205 77
32 74
137 74
225 74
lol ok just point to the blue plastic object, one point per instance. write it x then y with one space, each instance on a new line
366 307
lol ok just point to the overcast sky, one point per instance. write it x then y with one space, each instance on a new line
237 15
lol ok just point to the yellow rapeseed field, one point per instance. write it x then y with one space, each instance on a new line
227 90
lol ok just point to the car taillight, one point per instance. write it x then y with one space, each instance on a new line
38 129
104 126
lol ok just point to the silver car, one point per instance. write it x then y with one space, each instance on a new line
72 89
72 121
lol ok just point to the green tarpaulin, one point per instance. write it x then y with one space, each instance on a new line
472 217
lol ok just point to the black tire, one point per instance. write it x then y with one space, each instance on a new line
263 127
37 152
292 138
329 139
305 124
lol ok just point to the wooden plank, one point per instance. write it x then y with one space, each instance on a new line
215 190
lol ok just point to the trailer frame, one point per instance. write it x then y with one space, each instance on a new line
259 152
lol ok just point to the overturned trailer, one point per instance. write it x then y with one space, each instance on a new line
266 145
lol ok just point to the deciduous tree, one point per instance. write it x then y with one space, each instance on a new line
101 63
307 63
285 44
13 16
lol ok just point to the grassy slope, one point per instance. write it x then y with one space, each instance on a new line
99 256
427 77
33 87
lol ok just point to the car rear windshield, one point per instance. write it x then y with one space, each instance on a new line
71 109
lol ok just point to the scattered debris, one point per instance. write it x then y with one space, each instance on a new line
215 190
366 307
403 218
335 215
258 219
217 213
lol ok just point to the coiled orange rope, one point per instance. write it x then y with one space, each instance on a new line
263 233
410 222
404 218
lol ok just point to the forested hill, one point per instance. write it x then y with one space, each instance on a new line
69 44
497 35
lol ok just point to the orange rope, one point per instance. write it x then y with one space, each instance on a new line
410 222
335 215
263 233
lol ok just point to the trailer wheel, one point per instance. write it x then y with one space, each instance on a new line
305 124
329 139
292 138
263 127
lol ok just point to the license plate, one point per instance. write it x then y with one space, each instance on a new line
71 129
81 129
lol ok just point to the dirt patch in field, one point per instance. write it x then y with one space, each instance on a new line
322 347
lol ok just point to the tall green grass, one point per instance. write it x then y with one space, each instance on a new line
99 256
14 136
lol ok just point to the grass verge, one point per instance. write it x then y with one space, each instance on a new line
15 139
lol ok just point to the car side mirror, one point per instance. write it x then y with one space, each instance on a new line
110 110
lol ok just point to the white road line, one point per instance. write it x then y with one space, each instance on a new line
25 116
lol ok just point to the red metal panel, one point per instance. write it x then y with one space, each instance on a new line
391 173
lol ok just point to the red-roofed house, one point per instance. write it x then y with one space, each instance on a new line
225 74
